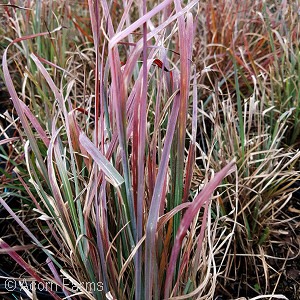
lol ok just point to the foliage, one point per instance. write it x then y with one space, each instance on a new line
127 118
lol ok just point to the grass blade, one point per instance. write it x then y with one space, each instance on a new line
113 175
188 217
156 201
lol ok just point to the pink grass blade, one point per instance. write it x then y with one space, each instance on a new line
170 214
189 172
108 169
191 154
53 65
104 164
119 96
74 134
61 103
125 15
188 217
185 44
25 228
50 82
95 21
107 16
141 160
37 205
21 262
135 53
195 108
94 16
56 275
121 35
16 101
103 234
8 140
17 248
58 95
35 123
151 226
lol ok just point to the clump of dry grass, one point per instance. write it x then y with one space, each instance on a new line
248 56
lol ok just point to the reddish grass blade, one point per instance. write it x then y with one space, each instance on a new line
119 95
22 225
188 217
185 43
108 169
156 201
45 61
8 140
191 153
74 134
135 53
51 84
123 34
37 205
56 275
189 172
35 123
160 64
16 248
17 103
21 262
95 22
142 103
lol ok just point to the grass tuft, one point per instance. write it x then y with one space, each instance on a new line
150 150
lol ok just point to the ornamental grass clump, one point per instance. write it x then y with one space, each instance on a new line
150 151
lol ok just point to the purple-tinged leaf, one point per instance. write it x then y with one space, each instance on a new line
8 140
50 82
156 200
16 248
189 172
123 34
125 15
56 275
17 219
16 101
185 37
191 154
45 61
21 262
142 111
188 217
169 215
37 204
135 54
108 169
25 228
35 123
